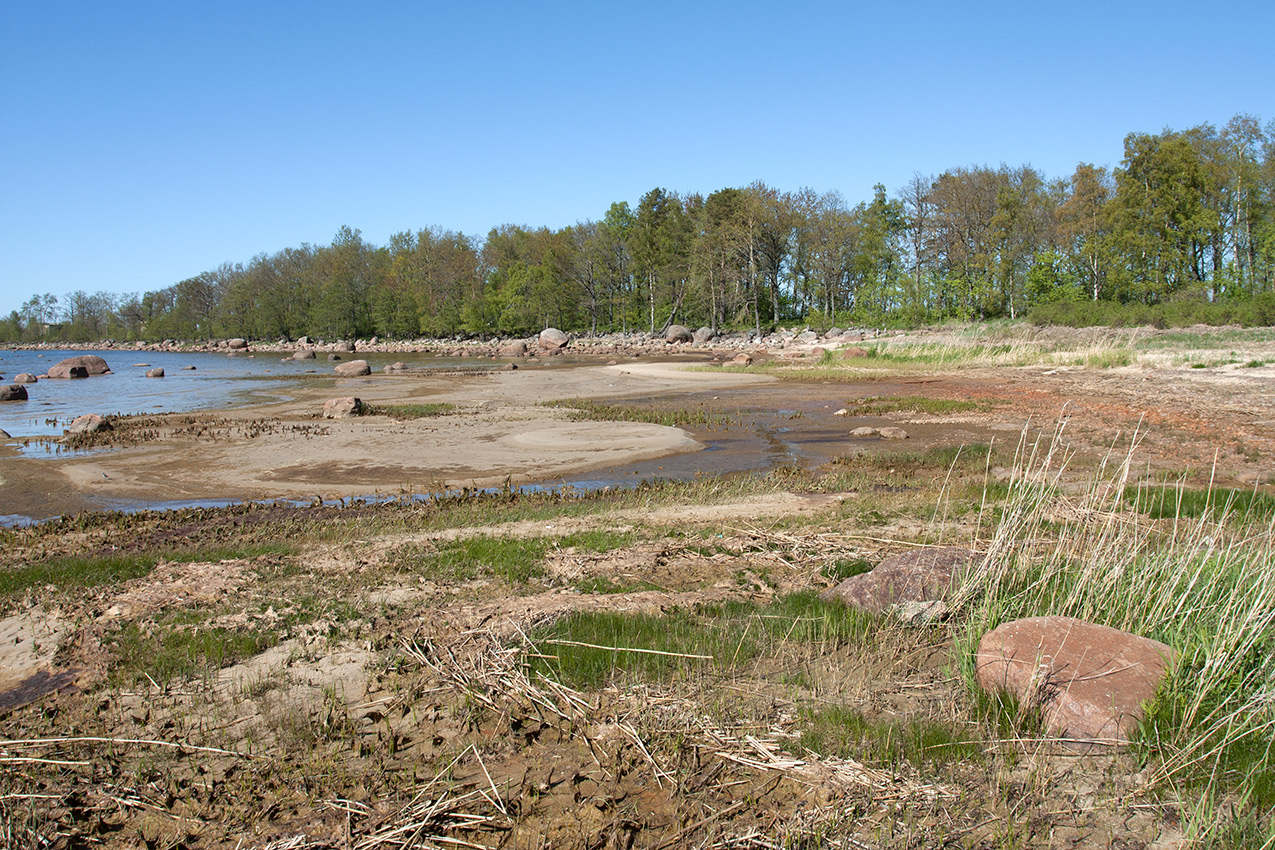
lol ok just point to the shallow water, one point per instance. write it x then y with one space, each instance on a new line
217 381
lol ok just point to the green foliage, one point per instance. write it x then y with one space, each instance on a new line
174 651
649 646
424 410
845 732
516 560
76 571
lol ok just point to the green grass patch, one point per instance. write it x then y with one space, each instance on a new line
76 571
177 651
1181 502
592 648
515 559
604 585
845 568
582 410
845 732
879 406
412 411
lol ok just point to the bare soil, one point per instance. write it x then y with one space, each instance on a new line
394 707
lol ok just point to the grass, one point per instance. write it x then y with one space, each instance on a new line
412 411
1191 503
175 652
84 571
596 411
1202 580
879 406
845 732
660 647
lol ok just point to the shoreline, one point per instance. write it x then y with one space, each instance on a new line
497 432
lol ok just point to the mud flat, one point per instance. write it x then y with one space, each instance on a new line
497 430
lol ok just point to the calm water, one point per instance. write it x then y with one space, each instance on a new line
217 381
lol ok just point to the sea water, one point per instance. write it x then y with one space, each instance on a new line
218 380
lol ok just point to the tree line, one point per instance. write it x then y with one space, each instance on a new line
1187 218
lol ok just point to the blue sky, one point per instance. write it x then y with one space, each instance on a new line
143 143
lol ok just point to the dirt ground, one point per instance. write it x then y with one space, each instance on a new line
395 707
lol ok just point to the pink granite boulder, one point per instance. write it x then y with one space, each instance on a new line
1089 681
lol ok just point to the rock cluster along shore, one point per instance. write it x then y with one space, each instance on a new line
548 343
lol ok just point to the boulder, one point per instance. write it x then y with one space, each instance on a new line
344 345
678 333
923 575
552 339
157 372
344 407
806 338
517 348
237 344
89 423
891 432
863 431
742 360
396 366
333 357
13 392
4 435
853 351
91 364
703 335
25 378
833 333
1089 681
303 355
352 369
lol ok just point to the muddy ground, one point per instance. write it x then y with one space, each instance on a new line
311 677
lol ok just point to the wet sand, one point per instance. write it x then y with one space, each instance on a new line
500 431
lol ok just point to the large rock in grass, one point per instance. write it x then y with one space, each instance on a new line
552 339
13 392
678 333
89 423
344 407
918 580
1089 681
352 369
80 366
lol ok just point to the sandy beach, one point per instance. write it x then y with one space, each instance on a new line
499 431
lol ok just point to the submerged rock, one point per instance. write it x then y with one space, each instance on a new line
157 372
1089 681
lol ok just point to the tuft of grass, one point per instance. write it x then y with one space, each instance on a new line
582 410
1190 503
659 647
879 406
845 732
1205 585
845 568
174 652
423 410
516 560
76 571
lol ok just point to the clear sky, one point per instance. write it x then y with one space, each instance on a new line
144 143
